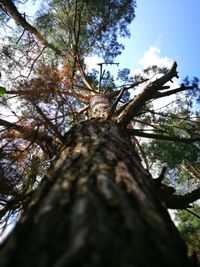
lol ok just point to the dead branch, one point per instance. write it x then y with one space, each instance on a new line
174 201
142 153
10 9
83 76
29 134
147 93
171 92
112 110
48 122
193 213
116 93
44 91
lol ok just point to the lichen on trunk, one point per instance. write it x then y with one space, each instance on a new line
96 207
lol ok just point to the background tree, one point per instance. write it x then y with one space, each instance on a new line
188 224
96 205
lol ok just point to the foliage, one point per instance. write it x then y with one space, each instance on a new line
181 124
183 162
87 26
2 90
49 87
189 226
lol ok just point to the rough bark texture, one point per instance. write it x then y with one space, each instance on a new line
99 106
97 207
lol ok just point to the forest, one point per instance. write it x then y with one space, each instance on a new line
90 170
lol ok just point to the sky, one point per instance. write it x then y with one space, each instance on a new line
162 32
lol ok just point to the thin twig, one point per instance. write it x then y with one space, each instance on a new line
193 213
34 61
21 36
142 153
163 137
112 110
126 87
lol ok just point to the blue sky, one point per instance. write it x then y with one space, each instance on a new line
170 30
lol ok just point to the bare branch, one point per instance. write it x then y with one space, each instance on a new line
174 201
82 97
171 92
20 36
193 213
159 180
48 122
112 110
162 137
83 76
29 134
34 61
147 93
10 9
83 109
142 153
122 108
115 93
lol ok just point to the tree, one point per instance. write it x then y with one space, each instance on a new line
188 225
182 171
96 205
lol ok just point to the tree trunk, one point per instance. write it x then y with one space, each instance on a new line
97 207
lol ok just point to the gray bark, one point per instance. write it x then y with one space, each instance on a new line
96 207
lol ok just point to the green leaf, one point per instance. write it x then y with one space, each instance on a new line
2 90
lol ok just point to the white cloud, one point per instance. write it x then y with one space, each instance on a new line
153 57
91 62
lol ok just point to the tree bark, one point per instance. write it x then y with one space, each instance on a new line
97 206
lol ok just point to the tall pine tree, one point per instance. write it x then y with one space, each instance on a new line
96 204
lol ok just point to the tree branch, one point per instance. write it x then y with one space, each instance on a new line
125 87
193 213
48 122
147 93
162 137
83 76
141 152
10 9
29 134
174 201
82 97
171 92
112 110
